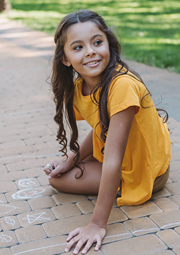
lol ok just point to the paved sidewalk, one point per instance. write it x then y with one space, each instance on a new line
34 218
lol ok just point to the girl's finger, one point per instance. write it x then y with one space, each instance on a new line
73 233
79 245
87 247
98 244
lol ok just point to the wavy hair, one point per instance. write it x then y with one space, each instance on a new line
63 78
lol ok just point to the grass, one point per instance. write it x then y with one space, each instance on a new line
149 31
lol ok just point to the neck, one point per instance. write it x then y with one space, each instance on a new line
88 85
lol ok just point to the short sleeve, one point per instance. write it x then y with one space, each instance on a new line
77 113
123 93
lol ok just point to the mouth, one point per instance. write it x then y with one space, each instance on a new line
92 63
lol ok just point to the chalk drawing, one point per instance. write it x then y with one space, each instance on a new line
28 193
9 221
145 230
1 201
7 208
38 216
26 183
5 238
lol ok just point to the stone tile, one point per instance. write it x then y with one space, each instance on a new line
27 183
26 165
167 252
15 143
175 165
14 208
176 199
34 172
7 186
116 215
175 155
3 198
90 252
29 193
5 251
64 226
9 223
33 141
18 150
43 180
169 237
35 217
29 234
141 226
116 232
64 198
65 211
7 239
13 176
167 220
3 169
41 146
177 230
161 193
173 188
86 206
45 246
137 246
166 204
177 250
145 209
175 175
41 202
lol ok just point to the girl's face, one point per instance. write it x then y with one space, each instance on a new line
87 50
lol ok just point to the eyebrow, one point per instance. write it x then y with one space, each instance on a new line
79 41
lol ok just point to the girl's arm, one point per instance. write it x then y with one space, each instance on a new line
59 166
118 132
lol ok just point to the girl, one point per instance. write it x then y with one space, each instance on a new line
128 148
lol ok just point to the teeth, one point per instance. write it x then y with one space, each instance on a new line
92 63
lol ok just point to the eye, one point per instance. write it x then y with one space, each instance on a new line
78 47
98 42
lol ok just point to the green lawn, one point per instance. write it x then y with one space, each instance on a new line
149 30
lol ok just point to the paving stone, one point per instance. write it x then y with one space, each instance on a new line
34 172
116 215
3 198
116 232
176 199
137 246
41 202
167 220
169 237
27 183
86 206
7 186
166 204
65 211
13 176
30 193
162 193
3 169
175 175
35 217
33 141
11 144
64 198
175 165
177 250
9 223
64 226
43 180
177 230
176 155
141 226
167 252
17 151
173 188
90 252
14 208
145 209
29 234
26 165
7 239
5 251
47 246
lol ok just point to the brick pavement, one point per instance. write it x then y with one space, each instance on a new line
34 218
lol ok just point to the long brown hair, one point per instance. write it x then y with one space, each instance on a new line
63 77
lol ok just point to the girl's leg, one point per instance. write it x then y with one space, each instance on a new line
88 184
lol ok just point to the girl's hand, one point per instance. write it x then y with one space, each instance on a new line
57 167
87 235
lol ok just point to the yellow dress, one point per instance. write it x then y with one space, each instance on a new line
148 150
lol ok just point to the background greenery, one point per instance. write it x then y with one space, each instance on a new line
149 30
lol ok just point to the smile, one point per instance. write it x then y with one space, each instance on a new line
92 63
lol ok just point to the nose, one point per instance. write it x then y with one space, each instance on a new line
90 52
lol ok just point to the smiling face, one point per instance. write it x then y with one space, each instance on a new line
87 50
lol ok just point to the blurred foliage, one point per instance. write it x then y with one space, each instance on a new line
149 31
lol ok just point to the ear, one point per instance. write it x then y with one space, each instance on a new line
65 61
